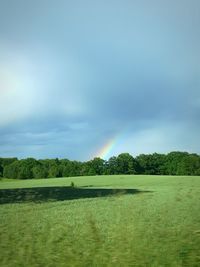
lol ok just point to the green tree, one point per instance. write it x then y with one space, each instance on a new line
54 170
151 163
173 160
25 168
189 165
97 166
39 171
126 164
11 170
111 166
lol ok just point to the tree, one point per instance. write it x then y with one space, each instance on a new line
173 159
126 164
39 171
1 170
189 165
111 166
11 170
25 168
151 163
5 162
174 163
96 166
70 168
53 171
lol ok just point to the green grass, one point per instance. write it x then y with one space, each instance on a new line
157 225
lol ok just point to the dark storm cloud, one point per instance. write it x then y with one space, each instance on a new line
76 74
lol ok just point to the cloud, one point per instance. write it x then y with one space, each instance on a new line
16 89
74 75
161 138
32 85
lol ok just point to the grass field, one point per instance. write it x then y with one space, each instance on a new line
102 221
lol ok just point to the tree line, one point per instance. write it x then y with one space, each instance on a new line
173 163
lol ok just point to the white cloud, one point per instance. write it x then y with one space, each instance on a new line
17 95
31 85
160 139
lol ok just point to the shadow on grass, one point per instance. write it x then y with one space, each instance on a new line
41 194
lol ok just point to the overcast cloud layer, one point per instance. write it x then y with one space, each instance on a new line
75 74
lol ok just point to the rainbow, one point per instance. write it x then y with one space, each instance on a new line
105 151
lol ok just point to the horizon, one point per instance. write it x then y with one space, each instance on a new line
104 159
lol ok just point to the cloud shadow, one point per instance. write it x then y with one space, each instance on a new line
42 194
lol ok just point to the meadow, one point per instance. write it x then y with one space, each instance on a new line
119 220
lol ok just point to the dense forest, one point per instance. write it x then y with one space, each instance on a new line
173 163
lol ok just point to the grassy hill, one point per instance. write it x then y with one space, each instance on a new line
102 221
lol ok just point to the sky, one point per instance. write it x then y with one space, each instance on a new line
84 79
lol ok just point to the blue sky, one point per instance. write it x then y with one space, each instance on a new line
75 75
